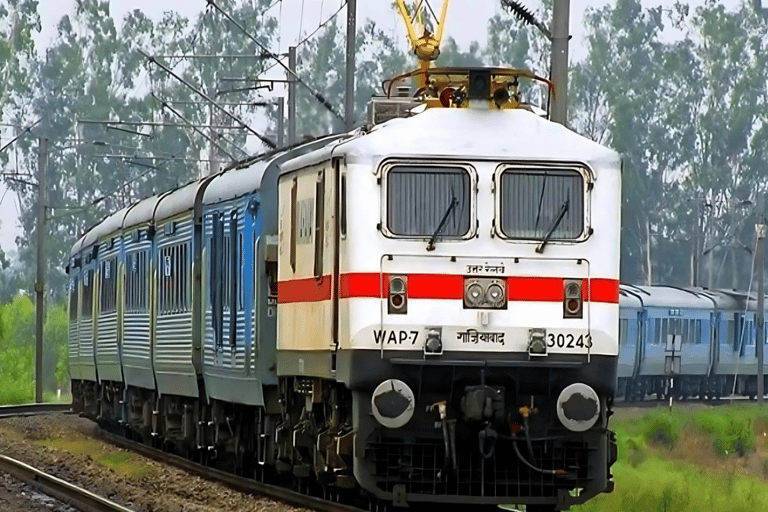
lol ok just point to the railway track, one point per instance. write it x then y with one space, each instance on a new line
238 483
57 488
9 411
652 402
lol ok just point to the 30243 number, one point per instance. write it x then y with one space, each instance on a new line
569 340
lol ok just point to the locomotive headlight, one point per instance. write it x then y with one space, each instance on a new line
392 403
474 294
495 294
578 407
485 293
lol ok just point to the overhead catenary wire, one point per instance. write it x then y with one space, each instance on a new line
24 132
165 105
309 36
200 93
155 124
318 96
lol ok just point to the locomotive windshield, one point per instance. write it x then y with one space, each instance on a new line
428 201
542 204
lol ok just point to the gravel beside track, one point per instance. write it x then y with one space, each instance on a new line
19 497
67 446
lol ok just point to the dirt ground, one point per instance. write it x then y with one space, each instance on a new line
18 497
65 446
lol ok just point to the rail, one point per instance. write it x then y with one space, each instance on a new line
63 491
239 483
7 411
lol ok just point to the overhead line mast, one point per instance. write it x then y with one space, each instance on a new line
559 37
323 101
165 68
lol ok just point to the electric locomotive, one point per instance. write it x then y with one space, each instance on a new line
421 310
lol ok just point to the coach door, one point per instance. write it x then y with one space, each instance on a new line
307 259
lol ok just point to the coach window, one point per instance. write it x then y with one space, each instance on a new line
73 284
217 272
173 279
108 299
425 201
87 311
623 326
136 282
534 203
319 223
233 274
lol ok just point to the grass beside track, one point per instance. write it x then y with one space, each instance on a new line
688 460
123 463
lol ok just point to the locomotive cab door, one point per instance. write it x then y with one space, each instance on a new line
307 318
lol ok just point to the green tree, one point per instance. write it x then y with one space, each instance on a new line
322 65
725 93
17 351
621 96
93 70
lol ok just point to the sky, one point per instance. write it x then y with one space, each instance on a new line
467 22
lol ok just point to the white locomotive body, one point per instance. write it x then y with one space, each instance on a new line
384 238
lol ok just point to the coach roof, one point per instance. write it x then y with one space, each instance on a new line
235 183
178 201
142 212
108 226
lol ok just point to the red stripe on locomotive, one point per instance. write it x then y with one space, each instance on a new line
439 286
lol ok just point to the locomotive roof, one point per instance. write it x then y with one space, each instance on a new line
497 134
236 182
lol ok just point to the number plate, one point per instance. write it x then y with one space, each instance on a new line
569 340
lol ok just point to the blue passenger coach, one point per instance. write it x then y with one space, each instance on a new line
686 342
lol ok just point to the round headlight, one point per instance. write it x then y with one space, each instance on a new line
392 403
578 407
474 294
495 294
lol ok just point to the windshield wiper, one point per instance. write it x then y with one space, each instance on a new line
558 220
541 202
431 244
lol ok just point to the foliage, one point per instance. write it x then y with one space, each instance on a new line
658 485
652 478
94 71
17 350
322 65
689 116
661 428
731 432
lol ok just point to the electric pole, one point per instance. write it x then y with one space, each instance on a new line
292 96
760 263
42 163
349 106
559 64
